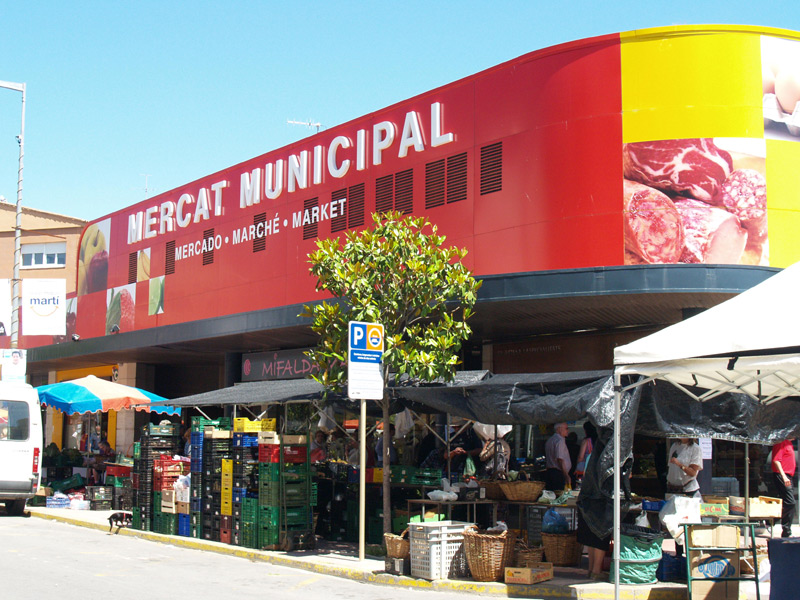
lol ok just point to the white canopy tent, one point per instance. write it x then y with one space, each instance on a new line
749 344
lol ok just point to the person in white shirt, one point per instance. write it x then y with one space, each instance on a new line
685 462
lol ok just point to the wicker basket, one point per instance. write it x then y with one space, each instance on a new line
488 553
524 556
522 491
493 488
397 546
562 549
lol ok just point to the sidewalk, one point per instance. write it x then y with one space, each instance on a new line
341 560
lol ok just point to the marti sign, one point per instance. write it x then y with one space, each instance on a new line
364 353
293 173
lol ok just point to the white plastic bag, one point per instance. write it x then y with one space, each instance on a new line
486 432
641 520
327 422
679 510
441 496
403 423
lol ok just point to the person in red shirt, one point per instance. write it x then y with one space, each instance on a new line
783 470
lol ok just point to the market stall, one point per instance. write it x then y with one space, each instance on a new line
738 363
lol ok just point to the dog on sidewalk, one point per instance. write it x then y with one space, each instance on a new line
120 519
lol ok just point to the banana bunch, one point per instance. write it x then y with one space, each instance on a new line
142 266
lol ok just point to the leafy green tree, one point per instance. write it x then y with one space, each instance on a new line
399 274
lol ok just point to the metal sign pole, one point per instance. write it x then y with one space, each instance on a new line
362 478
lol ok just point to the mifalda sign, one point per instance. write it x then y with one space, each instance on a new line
364 353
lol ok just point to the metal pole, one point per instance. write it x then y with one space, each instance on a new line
617 393
362 478
15 293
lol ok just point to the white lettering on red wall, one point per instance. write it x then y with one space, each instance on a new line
291 174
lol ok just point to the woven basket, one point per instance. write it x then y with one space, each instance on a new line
494 490
522 491
562 549
525 556
488 553
397 546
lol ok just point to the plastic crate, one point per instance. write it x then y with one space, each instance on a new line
269 453
161 430
724 486
437 549
295 454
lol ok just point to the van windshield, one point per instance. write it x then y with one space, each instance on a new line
15 420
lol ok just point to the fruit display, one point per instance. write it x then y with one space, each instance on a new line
92 261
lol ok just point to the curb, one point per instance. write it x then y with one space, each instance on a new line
587 591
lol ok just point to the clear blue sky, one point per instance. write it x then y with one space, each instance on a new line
124 95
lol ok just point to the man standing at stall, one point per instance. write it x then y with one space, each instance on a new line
783 469
557 459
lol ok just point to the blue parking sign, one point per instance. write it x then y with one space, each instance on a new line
365 351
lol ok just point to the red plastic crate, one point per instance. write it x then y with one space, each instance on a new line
118 470
166 465
269 453
225 536
295 454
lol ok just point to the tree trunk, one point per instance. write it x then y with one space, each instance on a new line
387 471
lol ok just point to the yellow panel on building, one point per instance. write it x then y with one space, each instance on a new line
679 83
783 201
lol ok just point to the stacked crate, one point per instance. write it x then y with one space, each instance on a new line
100 497
119 477
285 514
245 489
155 441
217 446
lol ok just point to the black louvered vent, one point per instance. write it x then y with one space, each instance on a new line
491 168
434 184
208 244
133 265
311 230
259 243
355 206
339 222
404 191
169 263
384 193
457 178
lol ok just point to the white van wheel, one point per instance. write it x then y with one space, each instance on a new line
15 508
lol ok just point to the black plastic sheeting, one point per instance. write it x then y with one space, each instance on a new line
656 409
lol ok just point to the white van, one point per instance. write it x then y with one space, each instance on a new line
20 445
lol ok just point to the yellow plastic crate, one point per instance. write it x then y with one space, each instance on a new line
249 426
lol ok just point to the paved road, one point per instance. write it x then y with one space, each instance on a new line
41 559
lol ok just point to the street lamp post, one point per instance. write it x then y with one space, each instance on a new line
15 293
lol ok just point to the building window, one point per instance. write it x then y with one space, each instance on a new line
52 255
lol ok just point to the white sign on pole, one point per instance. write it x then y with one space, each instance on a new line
364 353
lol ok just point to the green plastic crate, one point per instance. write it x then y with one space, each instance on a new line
299 516
268 536
269 517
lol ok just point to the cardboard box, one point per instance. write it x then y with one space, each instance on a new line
764 506
182 508
736 505
536 573
714 564
714 536
183 494
44 491
714 505
715 590
168 496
